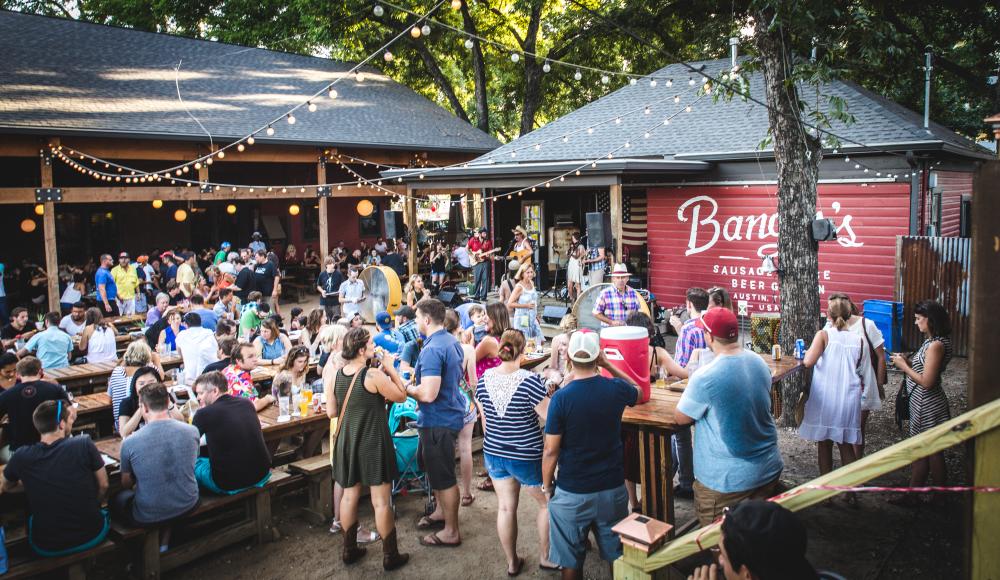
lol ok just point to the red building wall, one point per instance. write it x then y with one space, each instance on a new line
955 184
716 236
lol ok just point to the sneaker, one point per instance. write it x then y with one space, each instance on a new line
336 528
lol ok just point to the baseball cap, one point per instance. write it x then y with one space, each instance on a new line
484 231
406 311
720 322
225 245
768 539
142 259
123 255
587 342
383 320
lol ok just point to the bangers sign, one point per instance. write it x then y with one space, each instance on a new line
718 236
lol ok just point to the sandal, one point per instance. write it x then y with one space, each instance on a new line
517 568
485 485
436 542
335 527
483 473
429 523
545 568
467 500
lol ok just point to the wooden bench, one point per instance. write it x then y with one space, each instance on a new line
22 562
255 523
319 485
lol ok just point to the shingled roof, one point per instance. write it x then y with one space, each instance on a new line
67 77
713 130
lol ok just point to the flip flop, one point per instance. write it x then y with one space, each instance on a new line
545 568
436 542
517 569
428 523
485 485
467 500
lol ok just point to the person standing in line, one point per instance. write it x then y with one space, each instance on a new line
442 411
352 293
583 437
362 445
928 403
690 337
736 454
833 409
510 400
126 279
107 292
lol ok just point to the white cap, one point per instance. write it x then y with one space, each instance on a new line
585 341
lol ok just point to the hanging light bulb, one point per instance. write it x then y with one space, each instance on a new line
670 82
311 106
690 81
456 4
646 110
270 130
290 119
387 56
359 76
425 29
652 82
208 161
39 209
197 165
546 67
222 154
28 225
241 148
605 79
294 209
514 57
677 98
618 120
180 215
157 203
632 82
378 11
415 32
332 93
687 109
577 75
250 140
231 209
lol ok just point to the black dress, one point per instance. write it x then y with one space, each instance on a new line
363 452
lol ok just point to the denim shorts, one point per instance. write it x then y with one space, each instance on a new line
527 473
571 515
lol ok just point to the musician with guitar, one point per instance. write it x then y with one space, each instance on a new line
523 251
481 252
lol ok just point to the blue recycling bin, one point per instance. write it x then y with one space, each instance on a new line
888 317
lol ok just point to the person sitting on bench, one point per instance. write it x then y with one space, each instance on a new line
237 456
66 484
157 466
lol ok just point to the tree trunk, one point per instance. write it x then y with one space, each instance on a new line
532 97
478 73
797 157
440 79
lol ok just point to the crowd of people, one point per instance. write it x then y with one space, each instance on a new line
556 434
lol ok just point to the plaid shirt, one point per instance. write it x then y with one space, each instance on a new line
593 254
616 305
690 338
409 331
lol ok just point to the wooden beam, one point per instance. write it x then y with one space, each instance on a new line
410 218
125 194
49 230
617 230
324 226
983 558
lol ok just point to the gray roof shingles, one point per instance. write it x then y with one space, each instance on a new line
64 75
711 128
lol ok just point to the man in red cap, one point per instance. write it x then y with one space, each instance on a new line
736 453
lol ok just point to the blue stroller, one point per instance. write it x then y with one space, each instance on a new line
406 441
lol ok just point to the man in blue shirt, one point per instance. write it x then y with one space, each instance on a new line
209 319
107 291
442 410
583 434
736 453
52 346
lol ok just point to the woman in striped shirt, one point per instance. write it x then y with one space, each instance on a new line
509 401
928 403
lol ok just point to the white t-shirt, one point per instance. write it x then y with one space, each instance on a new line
72 328
461 255
70 295
198 348
351 291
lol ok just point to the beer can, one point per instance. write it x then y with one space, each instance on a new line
800 349
776 352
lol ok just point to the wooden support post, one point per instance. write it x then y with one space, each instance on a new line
324 226
410 218
984 366
49 230
617 230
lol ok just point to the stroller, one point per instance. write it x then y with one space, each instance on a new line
406 442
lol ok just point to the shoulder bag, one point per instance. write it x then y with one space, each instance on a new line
343 407
903 404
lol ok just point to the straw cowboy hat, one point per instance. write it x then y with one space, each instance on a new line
620 270
520 230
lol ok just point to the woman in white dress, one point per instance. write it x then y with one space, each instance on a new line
524 301
574 269
833 410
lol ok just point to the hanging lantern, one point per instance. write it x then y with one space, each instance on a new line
294 209
365 208
28 225
180 215
230 209
39 209
157 203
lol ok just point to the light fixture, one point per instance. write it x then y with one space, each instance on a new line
197 165
294 209
677 98
456 4
577 75
546 67
378 11
387 56
469 44
690 81
291 119
514 57
230 209
222 154
28 225
312 106
415 32
652 83
270 130
180 215
39 209
332 93
605 79
250 140
767 265
425 30
632 82
241 148
207 162
157 203
365 207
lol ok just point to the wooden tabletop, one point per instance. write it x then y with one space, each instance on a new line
530 363
92 404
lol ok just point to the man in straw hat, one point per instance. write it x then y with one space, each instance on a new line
523 249
616 303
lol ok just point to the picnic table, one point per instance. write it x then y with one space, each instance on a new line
84 377
653 421
533 360
132 321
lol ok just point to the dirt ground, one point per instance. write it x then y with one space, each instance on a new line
874 540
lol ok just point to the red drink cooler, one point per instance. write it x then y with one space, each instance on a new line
627 347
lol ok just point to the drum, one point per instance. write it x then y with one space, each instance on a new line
584 307
384 292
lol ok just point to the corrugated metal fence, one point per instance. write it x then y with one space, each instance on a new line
932 268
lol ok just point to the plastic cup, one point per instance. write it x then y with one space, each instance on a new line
303 407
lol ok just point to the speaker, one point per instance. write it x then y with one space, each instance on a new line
394 229
823 230
451 298
598 230
554 314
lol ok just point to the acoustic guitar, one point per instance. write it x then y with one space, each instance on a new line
477 257
522 256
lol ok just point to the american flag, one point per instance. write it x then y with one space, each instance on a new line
634 220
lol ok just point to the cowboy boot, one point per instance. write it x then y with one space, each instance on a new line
352 553
391 558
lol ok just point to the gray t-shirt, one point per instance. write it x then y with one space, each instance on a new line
161 457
